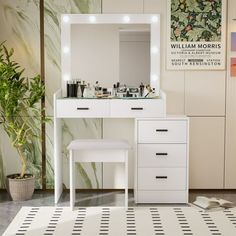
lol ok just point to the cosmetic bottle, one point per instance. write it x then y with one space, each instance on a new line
96 88
78 81
114 91
88 92
141 89
82 88
71 88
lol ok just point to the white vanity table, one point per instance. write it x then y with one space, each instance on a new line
161 143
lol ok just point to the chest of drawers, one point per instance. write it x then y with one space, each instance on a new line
161 160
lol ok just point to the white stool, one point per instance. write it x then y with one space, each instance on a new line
97 150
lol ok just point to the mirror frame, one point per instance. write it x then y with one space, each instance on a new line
152 19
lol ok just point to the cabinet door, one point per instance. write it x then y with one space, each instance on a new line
206 153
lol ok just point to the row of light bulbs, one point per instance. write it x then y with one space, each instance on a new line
93 19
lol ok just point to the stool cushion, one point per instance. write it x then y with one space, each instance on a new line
98 144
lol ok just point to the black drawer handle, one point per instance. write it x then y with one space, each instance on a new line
161 153
83 108
161 130
161 177
137 108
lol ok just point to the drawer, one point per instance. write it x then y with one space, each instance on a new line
162 178
162 131
162 197
162 155
135 108
82 108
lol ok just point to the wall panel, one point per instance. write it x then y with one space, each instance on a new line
205 93
122 6
206 152
230 154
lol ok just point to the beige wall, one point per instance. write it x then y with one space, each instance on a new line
205 97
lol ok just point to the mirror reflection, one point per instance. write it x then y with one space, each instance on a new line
111 53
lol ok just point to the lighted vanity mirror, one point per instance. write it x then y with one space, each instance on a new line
110 49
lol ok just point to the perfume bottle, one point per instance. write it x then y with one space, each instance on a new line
141 89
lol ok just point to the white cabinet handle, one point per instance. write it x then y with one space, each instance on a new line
161 130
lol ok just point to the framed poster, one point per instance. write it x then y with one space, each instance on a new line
196 34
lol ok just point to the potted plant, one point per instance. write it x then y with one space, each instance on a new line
19 96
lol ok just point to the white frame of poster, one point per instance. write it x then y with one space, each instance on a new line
199 55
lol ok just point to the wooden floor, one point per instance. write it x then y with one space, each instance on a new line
9 209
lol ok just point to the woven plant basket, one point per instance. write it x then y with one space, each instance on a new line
20 189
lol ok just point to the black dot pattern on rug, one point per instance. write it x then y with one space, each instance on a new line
27 221
210 223
231 217
182 220
53 221
130 222
105 221
156 220
79 221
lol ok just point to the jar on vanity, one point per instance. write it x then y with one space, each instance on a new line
81 89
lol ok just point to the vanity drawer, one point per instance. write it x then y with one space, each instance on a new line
76 108
162 131
162 155
162 178
135 108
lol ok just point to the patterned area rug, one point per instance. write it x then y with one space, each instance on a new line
116 221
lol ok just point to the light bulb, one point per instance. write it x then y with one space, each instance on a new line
92 19
126 19
154 77
154 49
66 19
66 50
66 77
154 19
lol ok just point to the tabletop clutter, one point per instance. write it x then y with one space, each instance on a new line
81 89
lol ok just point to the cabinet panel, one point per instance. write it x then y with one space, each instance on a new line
138 108
82 108
162 155
205 93
206 152
162 131
122 6
162 196
162 178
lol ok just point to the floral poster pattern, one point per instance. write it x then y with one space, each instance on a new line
196 34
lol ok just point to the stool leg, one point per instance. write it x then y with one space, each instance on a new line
72 181
126 179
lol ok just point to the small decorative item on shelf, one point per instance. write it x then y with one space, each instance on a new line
72 88
141 89
134 92
82 87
